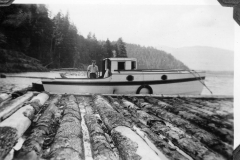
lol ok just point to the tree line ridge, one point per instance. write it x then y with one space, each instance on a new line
56 43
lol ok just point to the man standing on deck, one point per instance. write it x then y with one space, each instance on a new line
92 70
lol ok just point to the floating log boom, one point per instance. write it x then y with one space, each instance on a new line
184 128
115 127
12 128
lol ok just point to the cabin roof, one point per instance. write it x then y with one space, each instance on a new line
121 59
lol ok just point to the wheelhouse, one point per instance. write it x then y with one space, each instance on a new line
118 64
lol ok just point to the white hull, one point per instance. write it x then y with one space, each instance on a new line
176 83
188 88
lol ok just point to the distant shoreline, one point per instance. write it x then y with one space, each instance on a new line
221 72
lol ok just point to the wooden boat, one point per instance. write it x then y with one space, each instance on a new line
125 78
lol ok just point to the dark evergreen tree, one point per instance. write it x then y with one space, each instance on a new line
89 36
26 28
108 48
121 48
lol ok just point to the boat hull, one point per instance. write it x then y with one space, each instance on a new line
188 88
176 84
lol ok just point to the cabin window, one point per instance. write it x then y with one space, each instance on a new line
121 65
133 65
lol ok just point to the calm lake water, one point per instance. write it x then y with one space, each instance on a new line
218 83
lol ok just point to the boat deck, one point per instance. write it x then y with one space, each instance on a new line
120 127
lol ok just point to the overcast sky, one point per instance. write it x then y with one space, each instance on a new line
154 24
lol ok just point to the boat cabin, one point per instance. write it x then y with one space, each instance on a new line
118 64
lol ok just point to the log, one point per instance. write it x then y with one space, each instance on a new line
68 143
20 91
101 149
10 107
130 145
87 102
149 120
178 101
215 118
46 125
171 151
220 128
176 108
160 144
187 128
12 128
39 100
222 108
190 146
92 111
116 104
110 117
4 97
205 107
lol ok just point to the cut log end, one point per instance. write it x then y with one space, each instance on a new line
127 148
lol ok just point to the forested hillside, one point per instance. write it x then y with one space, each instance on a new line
12 61
151 58
56 43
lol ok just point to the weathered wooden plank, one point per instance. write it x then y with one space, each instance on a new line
10 107
17 124
46 125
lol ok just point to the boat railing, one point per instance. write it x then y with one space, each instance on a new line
151 70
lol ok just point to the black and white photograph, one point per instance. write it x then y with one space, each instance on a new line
119 80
